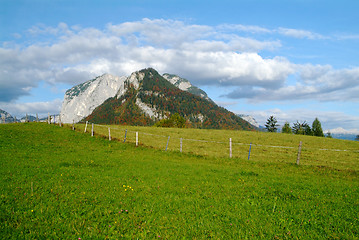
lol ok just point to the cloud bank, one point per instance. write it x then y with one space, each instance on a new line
41 108
220 55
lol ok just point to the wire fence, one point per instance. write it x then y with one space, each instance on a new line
204 144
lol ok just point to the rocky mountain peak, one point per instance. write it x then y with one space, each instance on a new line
185 85
145 94
82 99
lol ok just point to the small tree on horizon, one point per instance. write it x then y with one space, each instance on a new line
317 128
271 124
286 128
301 128
357 138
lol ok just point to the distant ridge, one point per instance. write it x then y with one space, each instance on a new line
6 117
341 133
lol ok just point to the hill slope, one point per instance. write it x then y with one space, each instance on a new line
147 97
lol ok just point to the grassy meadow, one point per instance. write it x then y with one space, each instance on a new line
63 184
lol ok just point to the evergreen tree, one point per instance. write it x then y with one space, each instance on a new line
307 130
298 128
271 124
286 128
329 135
302 129
357 138
317 128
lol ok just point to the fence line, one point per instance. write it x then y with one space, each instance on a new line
233 143
210 147
51 120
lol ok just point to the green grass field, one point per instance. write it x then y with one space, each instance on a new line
63 184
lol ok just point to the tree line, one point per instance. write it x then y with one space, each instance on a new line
301 128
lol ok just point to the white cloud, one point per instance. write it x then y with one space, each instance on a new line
288 32
159 32
299 33
348 37
316 82
42 29
32 108
244 28
206 55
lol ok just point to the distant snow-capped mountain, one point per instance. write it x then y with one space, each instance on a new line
6 117
341 130
81 100
342 133
249 119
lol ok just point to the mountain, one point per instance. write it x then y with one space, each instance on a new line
82 99
5 117
249 119
147 97
28 118
341 133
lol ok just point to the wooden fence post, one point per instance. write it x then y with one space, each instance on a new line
37 117
73 125
86 126
26 118
136 139
168 140
180 144
230 147
92 131
48 118
109 134
60 123
299 152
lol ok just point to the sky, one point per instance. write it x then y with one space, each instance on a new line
296 60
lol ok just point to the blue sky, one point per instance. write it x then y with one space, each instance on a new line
296 60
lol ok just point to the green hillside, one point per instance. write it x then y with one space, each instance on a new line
63 184
159 94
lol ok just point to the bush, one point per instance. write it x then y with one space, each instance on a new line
175 120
